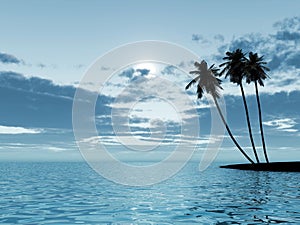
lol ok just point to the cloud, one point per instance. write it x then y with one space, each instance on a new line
133 138
293 59
219 38
36 102
290 24
280 50
168 70
13 80
208 42
271 95
144 106
132 73
196 37
41 65
9 59
33 147
18 130
79 66
143 72
104 68
199 38
127 73
286 124
287 36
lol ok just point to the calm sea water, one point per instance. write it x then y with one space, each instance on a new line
72 193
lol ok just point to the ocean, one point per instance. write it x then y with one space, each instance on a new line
72 193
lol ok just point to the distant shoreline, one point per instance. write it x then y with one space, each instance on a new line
274 166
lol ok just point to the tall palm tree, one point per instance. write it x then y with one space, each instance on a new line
234 68
255 72
208 82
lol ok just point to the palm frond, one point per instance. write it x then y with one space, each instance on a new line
194 72
192 82
199 91
255 69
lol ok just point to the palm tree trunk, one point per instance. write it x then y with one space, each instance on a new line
248 122
260 123
229 132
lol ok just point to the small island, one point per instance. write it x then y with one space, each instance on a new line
240 69
273 166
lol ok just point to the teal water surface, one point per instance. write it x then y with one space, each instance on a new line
72 193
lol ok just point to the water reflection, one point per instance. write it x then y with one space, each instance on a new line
251 196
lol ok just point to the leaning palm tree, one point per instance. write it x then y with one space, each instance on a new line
234 68
208 82
255 72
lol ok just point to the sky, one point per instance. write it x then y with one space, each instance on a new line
60 39
47 47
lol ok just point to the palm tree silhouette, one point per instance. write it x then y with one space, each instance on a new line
235 69
255 72
208 82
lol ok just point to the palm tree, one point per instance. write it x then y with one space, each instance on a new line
255 72
234 68
208 82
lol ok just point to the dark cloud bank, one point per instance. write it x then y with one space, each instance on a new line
36 102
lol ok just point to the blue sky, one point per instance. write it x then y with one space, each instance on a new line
47 46
59 39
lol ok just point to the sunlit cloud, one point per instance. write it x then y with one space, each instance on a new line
287 124
18 130
168 140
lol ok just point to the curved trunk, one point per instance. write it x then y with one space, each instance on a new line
248 122
229 132
260 123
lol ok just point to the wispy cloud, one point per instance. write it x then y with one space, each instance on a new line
135 138
54 147
9 59
79 66
219 37
199 38
18 130
286 124
41 65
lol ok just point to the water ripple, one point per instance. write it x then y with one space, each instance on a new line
72 193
